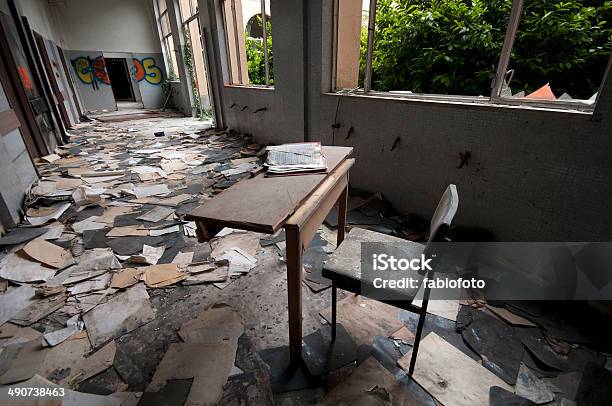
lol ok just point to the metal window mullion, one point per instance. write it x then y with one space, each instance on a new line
367 82
236 41
265 41
504 58
335 46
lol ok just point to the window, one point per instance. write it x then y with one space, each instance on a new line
507 51
194 56
167 40
248 30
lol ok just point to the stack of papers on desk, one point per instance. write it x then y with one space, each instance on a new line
295 158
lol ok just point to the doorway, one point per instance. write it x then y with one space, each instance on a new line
120 79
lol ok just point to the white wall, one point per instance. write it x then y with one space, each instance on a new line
109 25
41 18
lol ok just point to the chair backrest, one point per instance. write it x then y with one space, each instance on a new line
444 214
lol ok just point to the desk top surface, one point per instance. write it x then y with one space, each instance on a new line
263 204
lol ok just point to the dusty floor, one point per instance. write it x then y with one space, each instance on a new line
259 296
199 165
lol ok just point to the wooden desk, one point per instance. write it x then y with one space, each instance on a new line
297 203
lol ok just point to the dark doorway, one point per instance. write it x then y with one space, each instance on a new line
120 79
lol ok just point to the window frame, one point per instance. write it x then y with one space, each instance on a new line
494 98
235 44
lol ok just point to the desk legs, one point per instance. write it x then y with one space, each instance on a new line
294 254
342 205
294 251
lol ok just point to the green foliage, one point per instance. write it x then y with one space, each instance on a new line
453 46
256 59
201 112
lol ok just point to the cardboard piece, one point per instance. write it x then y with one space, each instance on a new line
208 364
126 278
365 319
216 324
467 383
48 253
510 317
157 276
359 388
72 361
128 231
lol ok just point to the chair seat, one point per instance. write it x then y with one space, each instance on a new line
344 265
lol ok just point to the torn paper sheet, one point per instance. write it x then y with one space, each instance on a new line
18 267
207 272
239 261
153 190
87 224
121 314
90 285
54 215
164 231
183 258
150 255
156 215
84 195
14 300
56 337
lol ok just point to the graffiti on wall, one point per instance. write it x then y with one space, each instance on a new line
146 69
91 71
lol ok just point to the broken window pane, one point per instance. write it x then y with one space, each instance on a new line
448 47
161 6
164 23
249 41
561 50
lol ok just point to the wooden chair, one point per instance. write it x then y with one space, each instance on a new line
344 265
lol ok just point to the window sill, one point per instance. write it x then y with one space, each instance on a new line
257 87
472 101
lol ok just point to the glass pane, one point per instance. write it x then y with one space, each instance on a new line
161 4
194 61
254 41
171 52
164 22
186 12
561 50
437 47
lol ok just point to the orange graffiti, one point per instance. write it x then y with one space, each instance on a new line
26 81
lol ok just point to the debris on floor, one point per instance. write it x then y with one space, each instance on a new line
106 293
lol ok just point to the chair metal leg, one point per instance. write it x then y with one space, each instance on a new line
419 332
333 311
417 338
